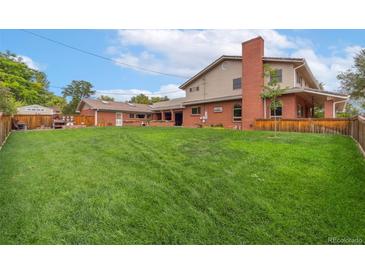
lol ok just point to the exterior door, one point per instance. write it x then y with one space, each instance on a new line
119 119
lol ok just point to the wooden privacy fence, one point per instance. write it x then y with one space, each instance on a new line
354 127
5 128
35 121
46 121
329 126
357 130
84 120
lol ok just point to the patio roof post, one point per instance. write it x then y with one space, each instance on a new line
328 108
162 115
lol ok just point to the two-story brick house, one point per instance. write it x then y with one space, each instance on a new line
228 92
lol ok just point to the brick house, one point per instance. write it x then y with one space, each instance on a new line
228 93
108 113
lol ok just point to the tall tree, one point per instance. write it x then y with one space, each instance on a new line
75 92
140 99
7 101
27 86
106 98
353 80
272 90
144 99
56 101
159 99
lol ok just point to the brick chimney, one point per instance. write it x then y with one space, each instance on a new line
252 81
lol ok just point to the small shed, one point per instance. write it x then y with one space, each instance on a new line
35 110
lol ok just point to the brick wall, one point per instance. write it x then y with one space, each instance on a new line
289 106
106 118
224 118
190 120
155 123
328 109
252 81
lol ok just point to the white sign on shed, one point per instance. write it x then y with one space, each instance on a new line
34 110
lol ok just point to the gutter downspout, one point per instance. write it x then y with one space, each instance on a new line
205 115
265 108
96 117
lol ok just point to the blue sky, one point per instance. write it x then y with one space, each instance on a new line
181 52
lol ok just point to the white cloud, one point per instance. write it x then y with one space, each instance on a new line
326 68
30 62
171 90
185 52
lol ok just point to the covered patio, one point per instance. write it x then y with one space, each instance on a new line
302 102
168 112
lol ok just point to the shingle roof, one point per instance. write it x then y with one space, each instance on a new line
172 104
115 106
318 91
215 99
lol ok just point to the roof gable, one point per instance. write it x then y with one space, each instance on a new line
209 68
239 58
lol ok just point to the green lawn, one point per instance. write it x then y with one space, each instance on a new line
179 186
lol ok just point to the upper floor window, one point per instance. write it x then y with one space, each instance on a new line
195 110
299 78
277 76
236 83
194 89
237 112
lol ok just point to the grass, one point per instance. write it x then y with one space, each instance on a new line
179 186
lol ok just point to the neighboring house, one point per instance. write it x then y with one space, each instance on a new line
110 113
228 93
35 110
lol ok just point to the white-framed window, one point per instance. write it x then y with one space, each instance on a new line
131 115
195 110
237 112
299 78
278 76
